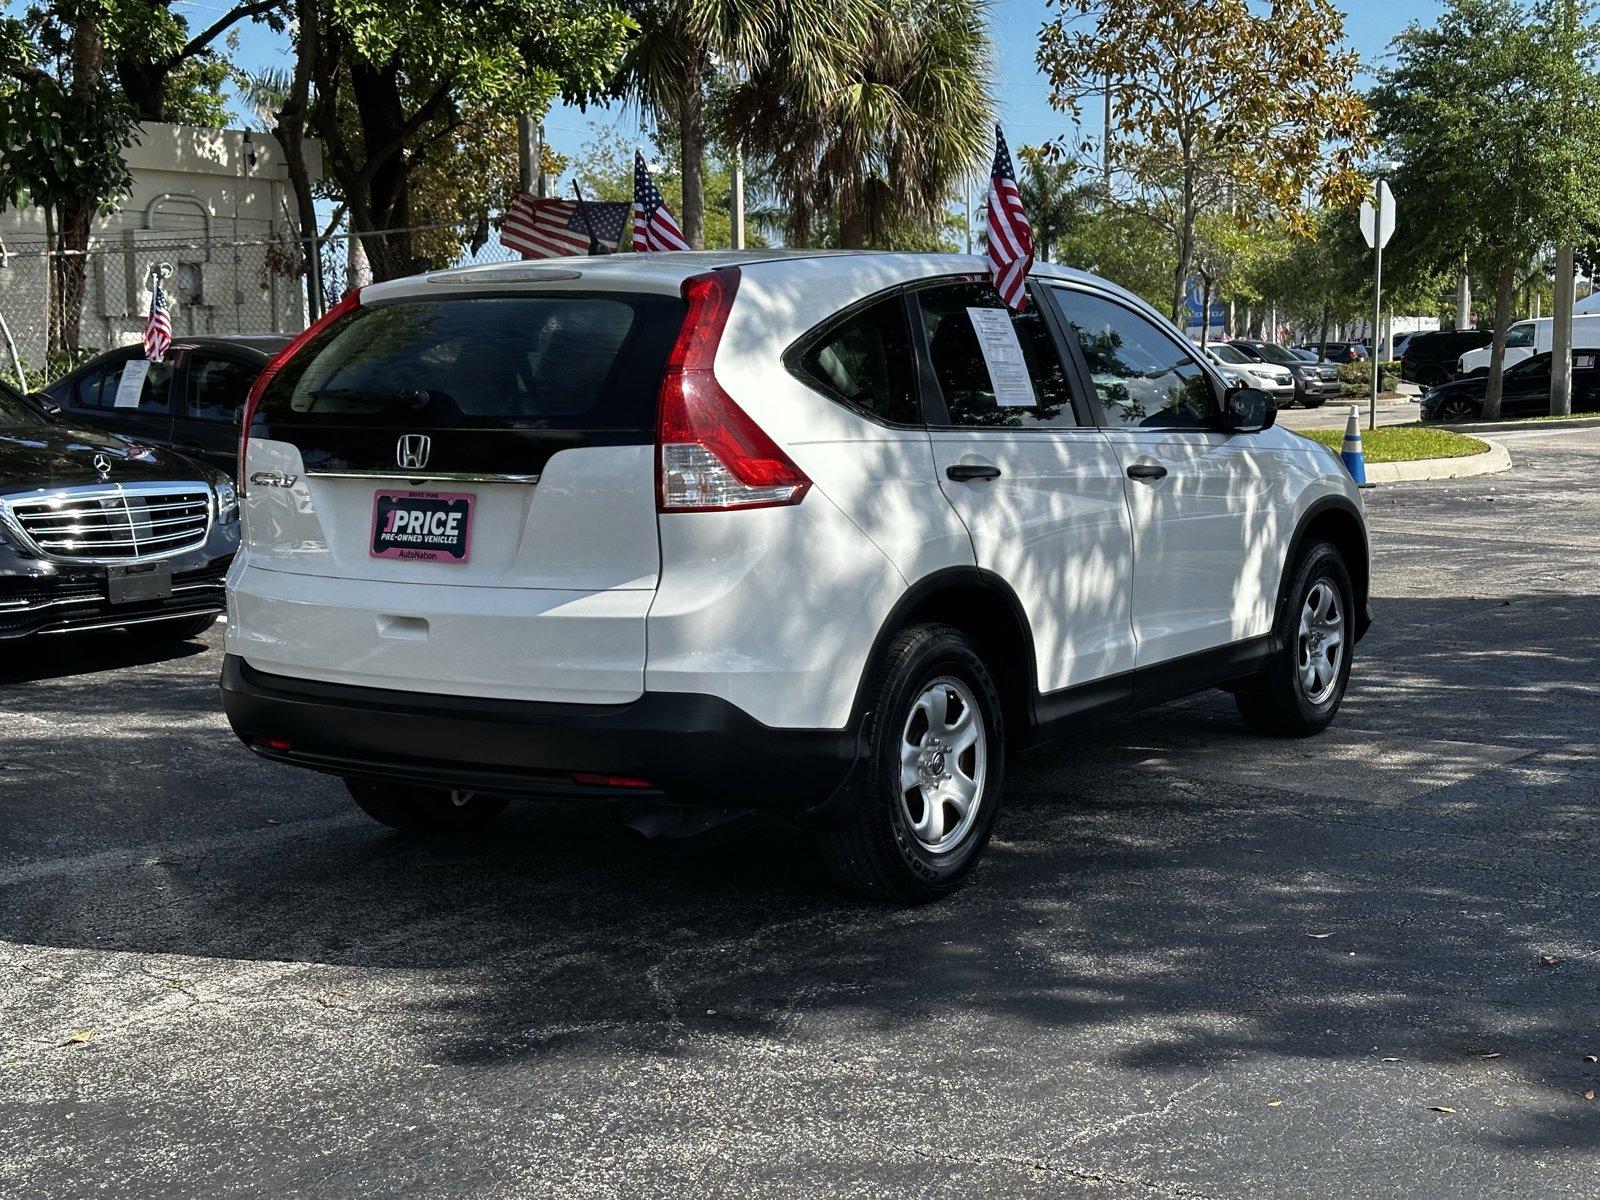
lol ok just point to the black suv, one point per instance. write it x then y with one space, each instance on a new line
1430 358
1337 352
189 403
99 532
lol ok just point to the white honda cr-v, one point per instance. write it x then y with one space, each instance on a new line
824 535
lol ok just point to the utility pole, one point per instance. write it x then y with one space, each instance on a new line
966 191
527 152
1105 142
737 199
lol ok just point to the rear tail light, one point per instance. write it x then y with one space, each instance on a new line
711 457
347 304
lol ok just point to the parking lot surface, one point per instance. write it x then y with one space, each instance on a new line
1195 963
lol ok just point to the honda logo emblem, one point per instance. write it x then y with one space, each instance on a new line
412 452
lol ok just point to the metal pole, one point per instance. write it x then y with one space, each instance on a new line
738 196
966 191
527 151
1377 295
1105 141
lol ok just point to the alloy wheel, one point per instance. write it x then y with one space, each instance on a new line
1321 644
943 762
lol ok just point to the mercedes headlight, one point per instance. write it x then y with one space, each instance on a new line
227 503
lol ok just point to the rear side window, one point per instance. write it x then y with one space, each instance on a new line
218 386
98 389
561 362
865 361
972 340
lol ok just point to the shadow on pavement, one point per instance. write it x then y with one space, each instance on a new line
1129 915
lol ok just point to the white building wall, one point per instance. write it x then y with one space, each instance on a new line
210 203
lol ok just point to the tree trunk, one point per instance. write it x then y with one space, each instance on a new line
380 202
289 126
1561 334
71 276
1464 300
692 147
1322 335
1505 288
1205 313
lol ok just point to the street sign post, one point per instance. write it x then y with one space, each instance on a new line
1377 226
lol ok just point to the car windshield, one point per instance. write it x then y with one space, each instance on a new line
14 410
1228 354
1520 335
1275 354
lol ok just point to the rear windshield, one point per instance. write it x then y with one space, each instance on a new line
572 362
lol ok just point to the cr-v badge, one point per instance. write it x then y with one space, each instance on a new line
412 452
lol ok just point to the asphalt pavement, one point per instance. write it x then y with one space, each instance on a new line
1195 963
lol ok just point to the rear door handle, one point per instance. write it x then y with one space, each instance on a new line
1149 471
966 472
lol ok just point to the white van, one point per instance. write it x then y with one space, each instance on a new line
1527 338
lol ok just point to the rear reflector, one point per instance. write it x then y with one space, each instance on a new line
711 456
266 743
350 301
609 781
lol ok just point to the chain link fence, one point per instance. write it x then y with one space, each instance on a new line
58 309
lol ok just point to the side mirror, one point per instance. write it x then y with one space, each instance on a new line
47 407
1248 410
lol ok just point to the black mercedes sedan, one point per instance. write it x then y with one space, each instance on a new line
1524 391
97 532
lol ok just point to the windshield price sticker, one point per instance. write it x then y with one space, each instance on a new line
1002 354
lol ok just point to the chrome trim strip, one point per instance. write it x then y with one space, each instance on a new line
83 494
418 480
116 624
8 607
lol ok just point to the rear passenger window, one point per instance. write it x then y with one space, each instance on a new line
865 361
1144 377
98 389
973 342
218 386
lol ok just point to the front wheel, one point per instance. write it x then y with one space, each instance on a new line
1302 687
1455 409
934 775
423 809
1312 401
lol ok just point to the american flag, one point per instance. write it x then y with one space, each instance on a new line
1010 235
552 228
158 329
653 226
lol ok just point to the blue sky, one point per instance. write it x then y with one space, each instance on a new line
1022 94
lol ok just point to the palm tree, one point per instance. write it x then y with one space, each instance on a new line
1055 200
682 46
879 135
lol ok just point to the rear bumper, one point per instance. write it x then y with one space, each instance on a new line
692 749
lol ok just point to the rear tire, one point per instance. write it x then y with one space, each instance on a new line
185 629
935 772
424 810
1300 691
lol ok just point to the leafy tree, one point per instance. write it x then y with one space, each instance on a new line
168 71
1494 112
389 88
64 129
879 136
1214 104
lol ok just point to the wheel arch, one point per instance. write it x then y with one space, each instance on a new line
1339 522
983 606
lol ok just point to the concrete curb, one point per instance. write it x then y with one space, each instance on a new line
1496 458
1475 429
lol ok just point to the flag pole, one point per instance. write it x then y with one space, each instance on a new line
583 211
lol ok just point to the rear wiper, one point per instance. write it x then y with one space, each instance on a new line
412 398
